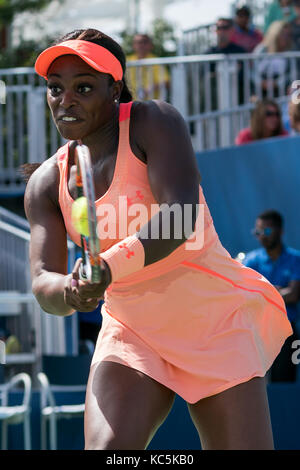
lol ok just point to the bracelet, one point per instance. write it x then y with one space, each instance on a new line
125 257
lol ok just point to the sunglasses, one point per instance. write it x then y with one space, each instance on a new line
272 114
266 232
223 28
141 41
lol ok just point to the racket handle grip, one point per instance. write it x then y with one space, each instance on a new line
85 273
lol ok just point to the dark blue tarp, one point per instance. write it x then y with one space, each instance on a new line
241 182
177 432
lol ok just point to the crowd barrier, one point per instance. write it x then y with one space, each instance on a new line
214 93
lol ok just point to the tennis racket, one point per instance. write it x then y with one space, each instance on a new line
90 246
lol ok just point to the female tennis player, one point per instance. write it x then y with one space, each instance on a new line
180 316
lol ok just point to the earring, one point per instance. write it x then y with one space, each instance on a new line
116 100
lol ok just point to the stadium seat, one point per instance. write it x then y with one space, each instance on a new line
18 413
55 381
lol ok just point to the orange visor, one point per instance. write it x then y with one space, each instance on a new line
94 55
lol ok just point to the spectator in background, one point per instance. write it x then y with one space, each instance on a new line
265 123
295 25
279 264
294 118
145 82
279 10
272 73
243 33
278 38
224 29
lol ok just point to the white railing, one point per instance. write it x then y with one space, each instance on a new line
197 40
213 93
27 133
15 278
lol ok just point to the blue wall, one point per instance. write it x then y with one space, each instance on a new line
177 432
240 182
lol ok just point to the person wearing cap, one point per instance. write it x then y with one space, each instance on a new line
180 316
244 34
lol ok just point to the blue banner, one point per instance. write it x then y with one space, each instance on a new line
241 182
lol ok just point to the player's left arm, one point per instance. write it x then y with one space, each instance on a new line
162 135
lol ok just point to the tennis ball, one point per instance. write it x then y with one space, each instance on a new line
80 216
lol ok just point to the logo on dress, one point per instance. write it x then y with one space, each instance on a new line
129 252
132 200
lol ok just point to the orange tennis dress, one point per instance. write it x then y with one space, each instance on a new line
197 321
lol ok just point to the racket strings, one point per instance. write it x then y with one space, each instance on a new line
90 247
79 187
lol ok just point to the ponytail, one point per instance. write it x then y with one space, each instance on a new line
126 95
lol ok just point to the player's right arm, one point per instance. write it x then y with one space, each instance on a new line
51 284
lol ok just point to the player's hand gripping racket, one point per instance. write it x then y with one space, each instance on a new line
90 269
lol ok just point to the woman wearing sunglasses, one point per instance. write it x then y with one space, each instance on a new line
265 122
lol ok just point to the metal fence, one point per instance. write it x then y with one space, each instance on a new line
197 40
214 93
15 278
27 132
